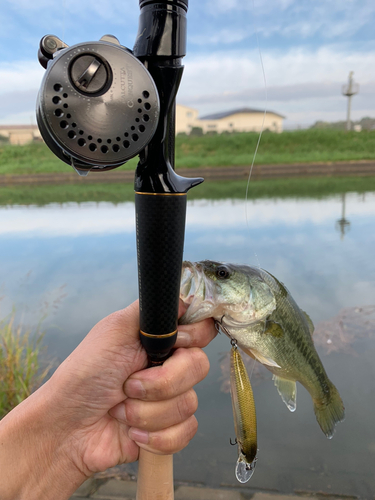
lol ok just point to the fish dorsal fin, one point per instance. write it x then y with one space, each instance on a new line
309 322
287 390
260 357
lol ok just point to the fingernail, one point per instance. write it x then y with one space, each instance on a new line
134 389
184 339
138 435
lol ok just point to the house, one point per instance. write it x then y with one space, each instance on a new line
186 119
20 134
238 120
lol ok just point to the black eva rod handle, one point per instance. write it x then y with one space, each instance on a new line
160 226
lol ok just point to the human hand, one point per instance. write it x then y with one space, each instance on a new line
108 405
99 407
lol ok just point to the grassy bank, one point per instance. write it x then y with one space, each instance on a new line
117 193
301 146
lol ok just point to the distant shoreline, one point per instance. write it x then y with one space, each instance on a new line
357 168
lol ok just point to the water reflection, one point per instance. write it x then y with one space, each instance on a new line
343 224
89 249
340 333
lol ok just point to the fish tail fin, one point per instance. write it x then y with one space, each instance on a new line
329 410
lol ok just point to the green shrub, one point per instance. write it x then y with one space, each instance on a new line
196 132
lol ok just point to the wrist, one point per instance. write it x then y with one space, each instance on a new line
35 459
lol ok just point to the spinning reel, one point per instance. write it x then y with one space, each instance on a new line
98 106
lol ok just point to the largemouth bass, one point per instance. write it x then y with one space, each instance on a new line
258 311
245 422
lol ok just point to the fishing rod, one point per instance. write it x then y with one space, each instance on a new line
101 104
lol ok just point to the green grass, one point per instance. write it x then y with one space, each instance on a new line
20 368
311 187
36 158
301 146
312 145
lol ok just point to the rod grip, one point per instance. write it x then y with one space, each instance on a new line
160 227
155 476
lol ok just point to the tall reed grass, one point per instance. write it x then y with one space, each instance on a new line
22 369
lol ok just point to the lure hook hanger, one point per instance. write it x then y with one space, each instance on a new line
220 327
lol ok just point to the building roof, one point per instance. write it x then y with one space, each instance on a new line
225 114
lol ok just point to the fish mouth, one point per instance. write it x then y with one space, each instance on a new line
189 277
196 292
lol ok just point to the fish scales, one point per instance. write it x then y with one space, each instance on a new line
258 311
295 348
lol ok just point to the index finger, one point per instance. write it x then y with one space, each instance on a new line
179 373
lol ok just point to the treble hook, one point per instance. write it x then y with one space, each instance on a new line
235 441
220 327
217 326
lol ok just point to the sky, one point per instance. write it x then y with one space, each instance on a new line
287 56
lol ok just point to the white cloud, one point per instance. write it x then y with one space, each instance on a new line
70 219
20 76
20 82
299 82
296 79
230 213
222 36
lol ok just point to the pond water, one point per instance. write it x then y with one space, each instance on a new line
77 262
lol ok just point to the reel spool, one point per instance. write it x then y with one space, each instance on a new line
98 106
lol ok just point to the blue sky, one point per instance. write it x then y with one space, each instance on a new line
307 47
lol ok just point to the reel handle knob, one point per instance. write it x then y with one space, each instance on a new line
48 46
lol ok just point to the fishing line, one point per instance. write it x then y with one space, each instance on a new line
264 115
63 19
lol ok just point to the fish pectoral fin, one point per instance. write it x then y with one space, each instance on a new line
309 322
287 390
260 357
274 329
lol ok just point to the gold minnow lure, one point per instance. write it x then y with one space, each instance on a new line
245 422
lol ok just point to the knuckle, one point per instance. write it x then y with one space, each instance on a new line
190 431
201 364
172 442
133 413
163 387
187 404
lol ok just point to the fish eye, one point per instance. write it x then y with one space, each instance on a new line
222 272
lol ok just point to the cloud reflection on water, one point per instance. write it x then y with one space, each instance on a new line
71 219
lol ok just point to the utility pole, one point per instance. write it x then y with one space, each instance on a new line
349 90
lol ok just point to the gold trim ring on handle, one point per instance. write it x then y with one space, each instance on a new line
164 336
162 194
